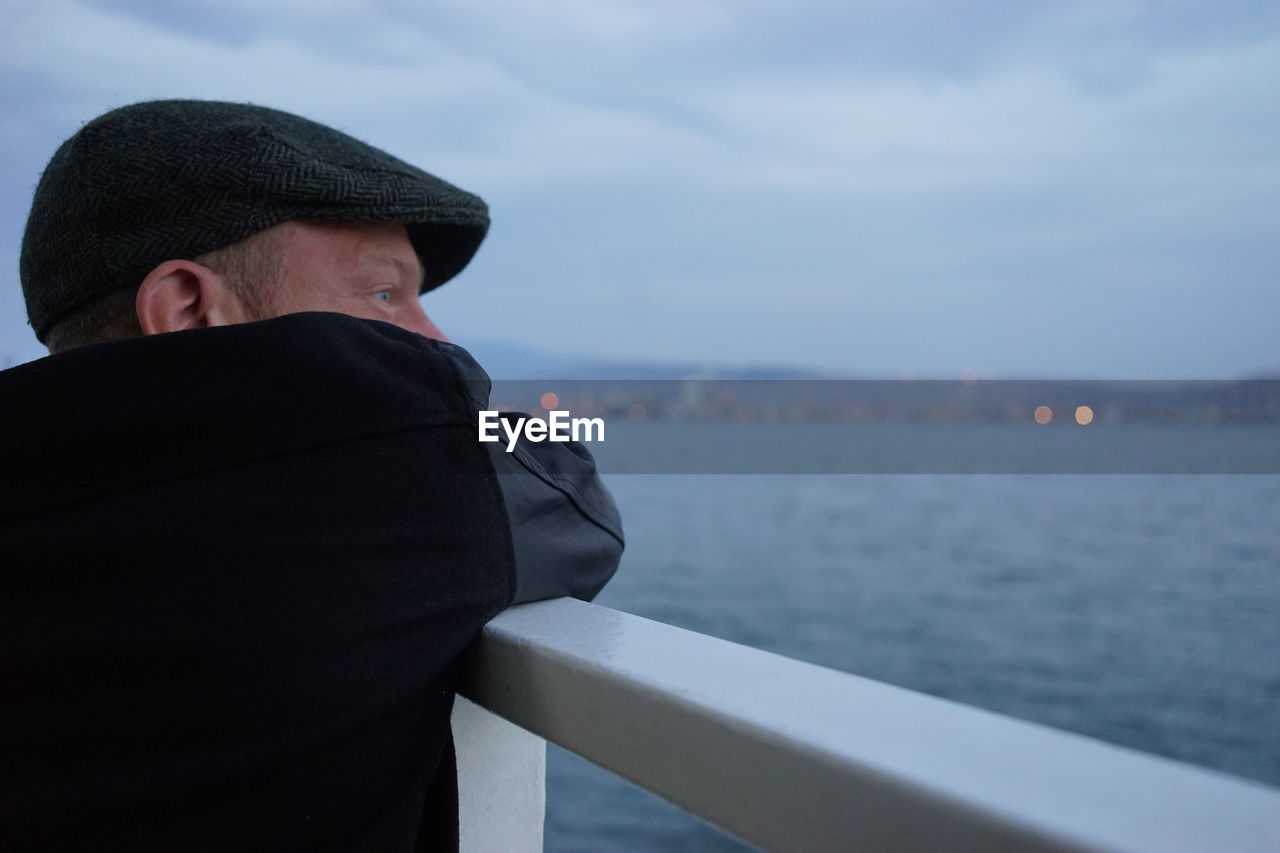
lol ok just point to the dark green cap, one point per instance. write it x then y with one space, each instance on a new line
162 180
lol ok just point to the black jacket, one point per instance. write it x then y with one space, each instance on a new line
237 567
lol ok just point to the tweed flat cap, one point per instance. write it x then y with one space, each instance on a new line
166 180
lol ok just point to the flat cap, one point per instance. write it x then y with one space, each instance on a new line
174 179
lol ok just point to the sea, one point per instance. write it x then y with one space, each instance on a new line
1141 609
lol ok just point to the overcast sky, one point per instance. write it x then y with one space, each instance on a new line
871 188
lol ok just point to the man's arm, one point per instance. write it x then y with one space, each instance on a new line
565 526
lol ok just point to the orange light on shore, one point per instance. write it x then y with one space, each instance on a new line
549 401
1044 414
637 412
1084 415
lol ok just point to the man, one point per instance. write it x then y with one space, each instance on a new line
243 542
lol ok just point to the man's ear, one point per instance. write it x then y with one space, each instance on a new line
181 295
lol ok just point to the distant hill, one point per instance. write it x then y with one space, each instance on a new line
504 360
514 361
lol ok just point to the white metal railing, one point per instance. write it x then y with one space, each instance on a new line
791 756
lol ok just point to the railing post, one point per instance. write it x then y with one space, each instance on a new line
502 772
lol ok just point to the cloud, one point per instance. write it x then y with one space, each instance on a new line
423 100
879 161
611 22
86 49
1021 126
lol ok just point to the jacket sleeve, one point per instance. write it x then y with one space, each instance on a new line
565 526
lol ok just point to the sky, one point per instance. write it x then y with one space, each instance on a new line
867 188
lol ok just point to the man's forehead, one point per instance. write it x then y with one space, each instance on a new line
409 265
362 241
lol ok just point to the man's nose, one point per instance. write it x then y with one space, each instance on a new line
416 320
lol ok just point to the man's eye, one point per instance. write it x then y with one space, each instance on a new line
383 296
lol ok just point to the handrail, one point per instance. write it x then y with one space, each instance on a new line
791 756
